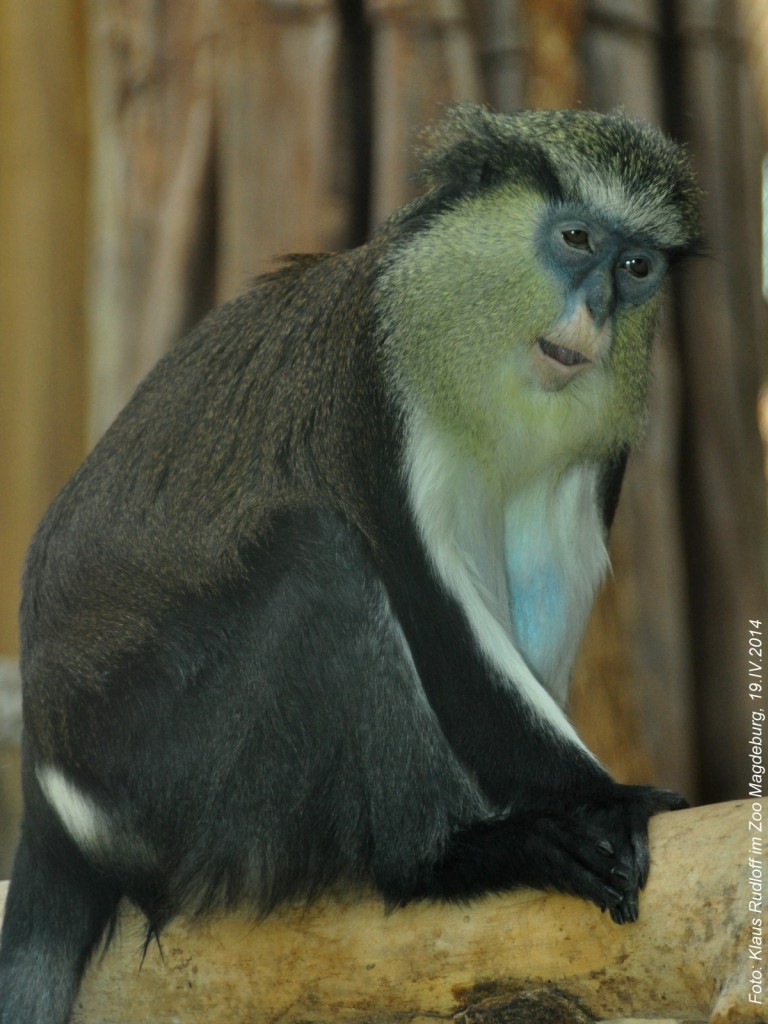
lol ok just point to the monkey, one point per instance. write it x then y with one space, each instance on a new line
306 615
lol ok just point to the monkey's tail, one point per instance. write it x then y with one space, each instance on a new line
57 911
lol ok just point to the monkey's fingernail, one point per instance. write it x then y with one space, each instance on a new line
620 873
605 847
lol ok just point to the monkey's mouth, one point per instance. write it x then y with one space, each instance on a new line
560 354
557 365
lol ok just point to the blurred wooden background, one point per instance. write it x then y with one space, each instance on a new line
156 154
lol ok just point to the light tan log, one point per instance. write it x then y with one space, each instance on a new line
344 960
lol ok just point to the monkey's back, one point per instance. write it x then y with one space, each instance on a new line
246 417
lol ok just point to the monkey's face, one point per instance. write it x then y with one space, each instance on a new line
515 321
605 275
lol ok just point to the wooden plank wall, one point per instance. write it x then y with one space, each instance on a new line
722 335
210 135
43 199
636 656
43 195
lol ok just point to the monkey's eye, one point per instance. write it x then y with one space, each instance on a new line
637 266
577 238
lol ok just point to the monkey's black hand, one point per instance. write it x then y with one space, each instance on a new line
622 820
598 851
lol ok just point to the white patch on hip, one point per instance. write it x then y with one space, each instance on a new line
86 823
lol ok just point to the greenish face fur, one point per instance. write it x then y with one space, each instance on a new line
466 303
522 293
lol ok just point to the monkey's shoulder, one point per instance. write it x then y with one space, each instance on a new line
99 615
240 411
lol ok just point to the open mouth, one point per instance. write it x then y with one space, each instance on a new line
561 354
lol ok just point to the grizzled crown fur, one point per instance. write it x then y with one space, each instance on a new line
625 166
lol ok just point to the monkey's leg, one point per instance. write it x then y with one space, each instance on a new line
57 909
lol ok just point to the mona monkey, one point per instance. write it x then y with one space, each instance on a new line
307 613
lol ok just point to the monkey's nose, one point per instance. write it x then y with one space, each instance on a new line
599 296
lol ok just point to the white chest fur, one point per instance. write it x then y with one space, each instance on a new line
524 568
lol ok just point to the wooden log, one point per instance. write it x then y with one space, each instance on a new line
344 960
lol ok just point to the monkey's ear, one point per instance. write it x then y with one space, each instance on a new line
473 149
457 150
461 174
487 175
481 175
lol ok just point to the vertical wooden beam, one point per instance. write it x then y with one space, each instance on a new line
423 56
151 110
637 652
554 76
724 343
501 51
276 133
43 181
622 54
754 22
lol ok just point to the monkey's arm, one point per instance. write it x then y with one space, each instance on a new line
555 817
